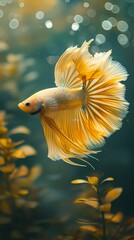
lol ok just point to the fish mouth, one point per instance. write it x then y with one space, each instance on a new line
20 105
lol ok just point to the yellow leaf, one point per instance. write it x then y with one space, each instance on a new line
22 171
93 180
117 218
6 142
18 154
78 181
23 192
20 129
80 200
35 172
105 207
3 130
108 179
89 228
113 194
92 202
2 161
5 207
7 168
108 216
2 115
28 150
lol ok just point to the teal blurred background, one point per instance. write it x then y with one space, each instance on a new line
33 34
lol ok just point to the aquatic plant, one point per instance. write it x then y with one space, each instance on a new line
17 193
102 222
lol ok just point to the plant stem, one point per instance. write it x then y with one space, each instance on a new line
102 215
103 225
13 205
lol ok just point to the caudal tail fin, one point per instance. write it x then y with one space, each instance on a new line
105 104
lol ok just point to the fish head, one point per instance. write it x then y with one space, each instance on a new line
31 105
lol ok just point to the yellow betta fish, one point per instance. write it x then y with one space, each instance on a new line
86 105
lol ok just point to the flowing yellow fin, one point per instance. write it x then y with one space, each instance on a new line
64 136
71 65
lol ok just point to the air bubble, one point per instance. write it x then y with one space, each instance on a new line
91 13
113 21
75 26
106 25
108 6
123 39
122 26
14 23
86 4
100 39
115 8
78 18
40 15
49 24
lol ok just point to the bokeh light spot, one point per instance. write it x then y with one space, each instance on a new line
115 8
113 21
75 26
86 4
3 3
100 39
122 26
78 18
49 24
14 23
40 15
107 25
91 13
122 39
108 6
22 4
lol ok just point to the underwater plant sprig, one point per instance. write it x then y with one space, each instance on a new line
103 224
16 190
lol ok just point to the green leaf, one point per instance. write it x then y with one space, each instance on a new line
23 192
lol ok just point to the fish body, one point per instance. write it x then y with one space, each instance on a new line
53 99
87 105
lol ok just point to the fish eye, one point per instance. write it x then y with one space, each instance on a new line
27 104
